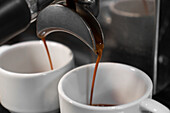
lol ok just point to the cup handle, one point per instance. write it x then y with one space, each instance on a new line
153 106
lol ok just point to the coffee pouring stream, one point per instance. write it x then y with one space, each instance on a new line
74 17
76 20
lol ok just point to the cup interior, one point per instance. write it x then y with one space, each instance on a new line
115 84
31 57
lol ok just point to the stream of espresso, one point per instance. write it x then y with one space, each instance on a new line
99 47
48 53
94 73
99 50
42 36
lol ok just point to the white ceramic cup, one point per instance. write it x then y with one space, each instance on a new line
126 86
27 85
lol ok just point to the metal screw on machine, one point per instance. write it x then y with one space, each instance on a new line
91 5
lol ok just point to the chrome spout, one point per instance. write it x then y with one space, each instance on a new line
58 18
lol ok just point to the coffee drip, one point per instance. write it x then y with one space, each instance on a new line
48 53
94 74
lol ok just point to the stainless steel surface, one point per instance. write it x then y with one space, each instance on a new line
64 19
61 18
129 33
32 4
155 68
86 1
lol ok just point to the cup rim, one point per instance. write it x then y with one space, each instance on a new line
28 75
128 14
69 100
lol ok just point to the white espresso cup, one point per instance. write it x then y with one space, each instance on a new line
127 87
27 85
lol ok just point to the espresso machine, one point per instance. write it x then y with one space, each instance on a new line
135 33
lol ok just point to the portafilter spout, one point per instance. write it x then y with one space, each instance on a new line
80 23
